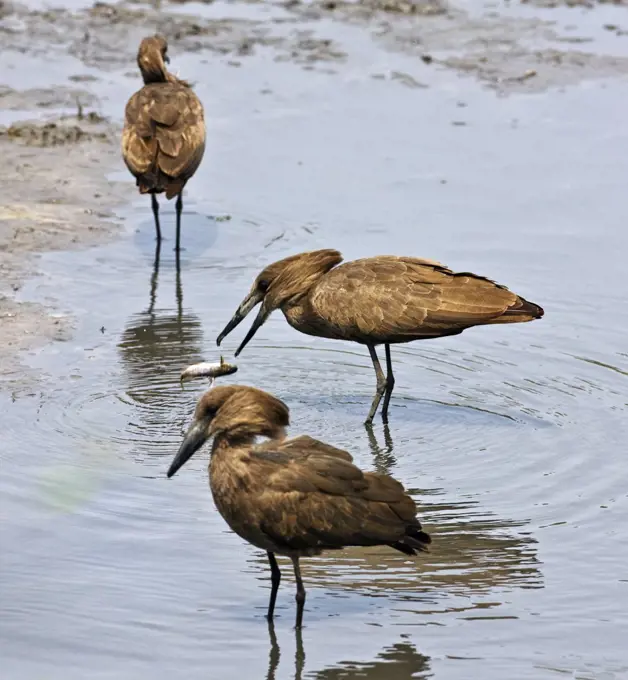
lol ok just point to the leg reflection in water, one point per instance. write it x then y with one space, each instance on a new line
383 456
275 654
399 661
156 343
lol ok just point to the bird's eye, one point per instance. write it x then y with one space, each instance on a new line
263 285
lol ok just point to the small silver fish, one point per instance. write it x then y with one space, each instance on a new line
207 370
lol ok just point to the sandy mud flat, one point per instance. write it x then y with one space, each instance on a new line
55 197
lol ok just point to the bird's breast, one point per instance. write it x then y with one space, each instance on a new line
236 496
229 481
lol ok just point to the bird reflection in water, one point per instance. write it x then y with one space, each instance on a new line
155 345
473 550
400 661
383 457
477 551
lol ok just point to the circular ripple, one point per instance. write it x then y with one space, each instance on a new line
139 412
153 350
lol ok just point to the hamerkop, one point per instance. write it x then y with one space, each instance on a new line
377 300
293 497
163 140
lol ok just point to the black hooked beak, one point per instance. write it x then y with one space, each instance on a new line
262 315
245 307
194 439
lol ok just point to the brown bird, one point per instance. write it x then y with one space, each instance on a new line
163 140
377 300
293 497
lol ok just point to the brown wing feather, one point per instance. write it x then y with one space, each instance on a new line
163 140
310 444
138 145
397 299
315 498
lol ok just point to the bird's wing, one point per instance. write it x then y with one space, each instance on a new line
393 297
138 142
314 497
164 126
180 132
304 442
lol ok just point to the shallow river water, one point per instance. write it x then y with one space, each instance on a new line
512 439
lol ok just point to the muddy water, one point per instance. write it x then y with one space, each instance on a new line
511 439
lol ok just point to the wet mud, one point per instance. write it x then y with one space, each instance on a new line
56 197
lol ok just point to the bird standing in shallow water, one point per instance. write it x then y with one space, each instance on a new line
163 140
377 300
293 497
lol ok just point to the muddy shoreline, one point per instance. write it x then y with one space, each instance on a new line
57 197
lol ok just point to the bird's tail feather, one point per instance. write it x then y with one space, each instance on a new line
156 181
522 310
415 540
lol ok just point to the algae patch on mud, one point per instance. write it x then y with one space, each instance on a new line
51 134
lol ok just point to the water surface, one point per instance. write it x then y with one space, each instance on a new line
511 439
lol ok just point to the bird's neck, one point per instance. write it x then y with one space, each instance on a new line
155 75
302 316
294 313
245 436
154 71
231 440
297 306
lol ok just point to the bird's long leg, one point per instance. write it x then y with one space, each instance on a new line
155 205
390 384
179 208
381 384
300 596
275 579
